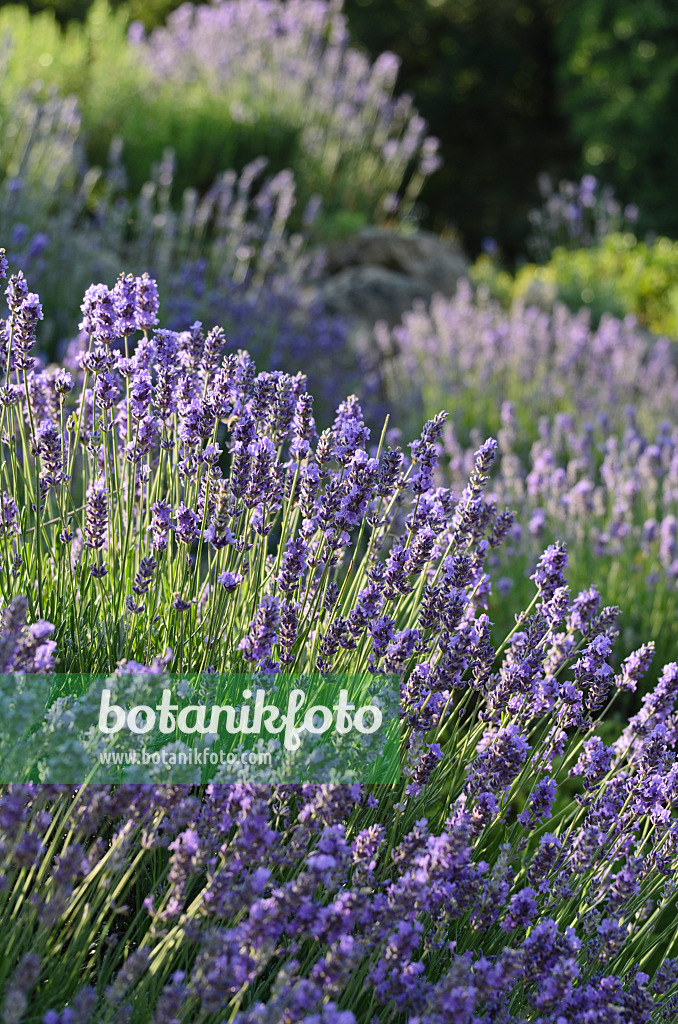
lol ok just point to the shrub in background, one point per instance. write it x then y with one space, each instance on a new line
621 275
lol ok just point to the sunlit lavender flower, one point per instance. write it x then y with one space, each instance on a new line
188 524
539 804
389 471
100 316
212 348
263 631
230 581
9 520
218 532
147 302
10 395
594 762
348 431
303 427
4 265
160 524
549 574
125 301
96 516
16 291
144 575
106 390
49 446
293 565
25 320
523 907
425 453
63 384
98 359
141 394
141 585
634 667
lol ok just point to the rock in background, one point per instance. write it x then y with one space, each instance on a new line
379 275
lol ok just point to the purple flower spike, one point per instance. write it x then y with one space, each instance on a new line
161 523
100 314
230 581
96 516
263 630
549 574
125 300
147 302
188 524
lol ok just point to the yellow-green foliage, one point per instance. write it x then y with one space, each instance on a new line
91 61
620 276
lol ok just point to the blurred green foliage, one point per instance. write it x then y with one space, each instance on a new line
621 276
150 12
618 75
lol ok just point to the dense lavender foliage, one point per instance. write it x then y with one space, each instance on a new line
294 60
166 506
587 439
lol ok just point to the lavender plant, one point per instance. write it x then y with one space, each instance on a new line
576 215
170 508
227 82
369 150
229 255
586 424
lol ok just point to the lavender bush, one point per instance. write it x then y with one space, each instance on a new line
470 351
228 255
367 151
227 82
576 215
175 509
586 426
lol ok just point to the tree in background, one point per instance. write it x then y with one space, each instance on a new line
618 62
483 73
